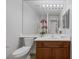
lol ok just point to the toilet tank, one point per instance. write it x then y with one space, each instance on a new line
28 41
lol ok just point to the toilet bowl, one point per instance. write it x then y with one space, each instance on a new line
21 52
24 51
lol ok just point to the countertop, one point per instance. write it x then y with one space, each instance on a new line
47 37
52 39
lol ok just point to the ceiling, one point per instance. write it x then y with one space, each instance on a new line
37 5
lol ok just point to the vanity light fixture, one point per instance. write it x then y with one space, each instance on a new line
55 6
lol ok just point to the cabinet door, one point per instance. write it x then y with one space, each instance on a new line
43 53
60 53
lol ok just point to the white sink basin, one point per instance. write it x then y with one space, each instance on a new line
55 36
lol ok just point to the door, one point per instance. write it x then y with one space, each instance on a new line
60 53
53 26
43 53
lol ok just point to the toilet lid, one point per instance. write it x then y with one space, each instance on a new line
21 50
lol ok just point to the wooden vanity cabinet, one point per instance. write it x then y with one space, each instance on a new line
52 50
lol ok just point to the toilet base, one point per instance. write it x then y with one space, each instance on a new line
23 57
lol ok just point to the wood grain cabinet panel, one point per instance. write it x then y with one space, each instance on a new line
60 53
52 50
43 53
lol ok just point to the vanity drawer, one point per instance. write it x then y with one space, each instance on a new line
55 44
39 44
52 44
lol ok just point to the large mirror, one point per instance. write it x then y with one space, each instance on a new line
45 17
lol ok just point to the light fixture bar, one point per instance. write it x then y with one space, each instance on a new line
55 6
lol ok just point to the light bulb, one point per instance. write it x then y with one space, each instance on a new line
50 5
57 5
54 5
47 5
61 5
43 5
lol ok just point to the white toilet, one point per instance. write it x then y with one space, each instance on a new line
23 52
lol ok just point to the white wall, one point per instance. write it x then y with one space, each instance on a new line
30 20
13 26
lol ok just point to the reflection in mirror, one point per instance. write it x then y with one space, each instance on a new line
44 17
30 18
53 24
66 19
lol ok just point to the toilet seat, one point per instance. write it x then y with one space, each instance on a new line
21 51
